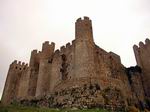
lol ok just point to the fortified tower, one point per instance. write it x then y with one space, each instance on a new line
12 82
40 69
34 71
83 29
84 49
46 57
142 55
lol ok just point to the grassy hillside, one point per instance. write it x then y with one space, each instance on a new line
13 108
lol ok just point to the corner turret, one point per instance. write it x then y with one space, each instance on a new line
142 55
13 78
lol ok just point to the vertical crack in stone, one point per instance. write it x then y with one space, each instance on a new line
64 65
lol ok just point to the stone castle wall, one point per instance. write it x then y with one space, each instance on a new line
16 71
142 55
76 64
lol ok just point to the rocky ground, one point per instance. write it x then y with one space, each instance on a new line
86 97
15 108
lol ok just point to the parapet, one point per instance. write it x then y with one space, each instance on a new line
142 45
73 42
62 48
84 19
135 47
47 50
57 53
47 46
68 45
85 22
83 29
35 51
18 65
147 41
79 19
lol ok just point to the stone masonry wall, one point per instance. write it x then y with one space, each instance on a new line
63 74
142 55
45 63
24 84
13 78
85 96
135 81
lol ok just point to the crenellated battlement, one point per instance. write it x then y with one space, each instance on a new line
84 19
142 55
47 46
73 42
147 41
57 52
83 29
83 23
62 48
35 53
135 47
18 65
142 45
68 45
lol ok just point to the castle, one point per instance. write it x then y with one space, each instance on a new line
80 73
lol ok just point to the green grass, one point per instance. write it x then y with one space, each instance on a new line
13 108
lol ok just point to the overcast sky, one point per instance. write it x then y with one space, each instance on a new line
26 24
